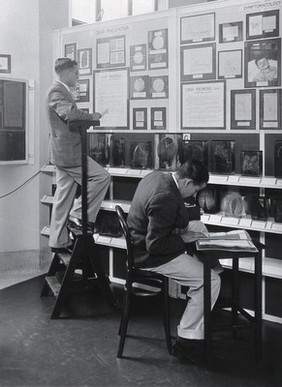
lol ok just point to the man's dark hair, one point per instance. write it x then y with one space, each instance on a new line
194 170
62 64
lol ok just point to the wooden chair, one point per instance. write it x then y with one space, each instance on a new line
136 275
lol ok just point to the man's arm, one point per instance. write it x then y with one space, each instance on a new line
162 215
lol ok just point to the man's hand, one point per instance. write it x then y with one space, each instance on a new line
96 116
192 236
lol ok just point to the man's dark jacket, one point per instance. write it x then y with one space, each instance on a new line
157 209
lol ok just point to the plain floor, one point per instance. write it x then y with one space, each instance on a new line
80 349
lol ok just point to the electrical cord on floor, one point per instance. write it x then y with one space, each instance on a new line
22 185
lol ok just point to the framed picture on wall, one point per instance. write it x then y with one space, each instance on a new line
159 87
138 58
270 109
158 118
243 109
251 163
82 90
262 24
263 63
139 118
5 63
230 64
197 28
139 87
84 58
230 32
70 51
110 52
158 49
198 62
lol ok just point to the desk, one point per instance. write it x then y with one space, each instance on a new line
256 320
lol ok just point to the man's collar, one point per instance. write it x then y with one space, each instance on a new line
66 86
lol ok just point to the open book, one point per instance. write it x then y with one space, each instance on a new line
235 240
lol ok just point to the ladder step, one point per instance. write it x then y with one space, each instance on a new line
54 285
64 258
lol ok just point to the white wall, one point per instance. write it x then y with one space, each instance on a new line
25 30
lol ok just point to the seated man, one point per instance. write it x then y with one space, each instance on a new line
157 213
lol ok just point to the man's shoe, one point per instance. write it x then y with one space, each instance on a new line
76 223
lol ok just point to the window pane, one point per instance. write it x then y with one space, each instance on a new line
142 6
113 9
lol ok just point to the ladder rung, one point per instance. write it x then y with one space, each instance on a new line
64 258
54 285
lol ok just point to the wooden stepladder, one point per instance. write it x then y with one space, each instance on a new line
62 279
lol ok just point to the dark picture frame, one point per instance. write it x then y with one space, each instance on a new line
230 64
82 93
263 63
139 86
198 62
270 108
262 24
159 87
111 52
230 32
251 163
158 49
197 28
158 118
84 60
138 57
140 118
223 156
243 109
5 63
70 51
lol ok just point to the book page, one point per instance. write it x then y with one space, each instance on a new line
233 235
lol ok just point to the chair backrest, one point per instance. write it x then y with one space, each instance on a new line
128 238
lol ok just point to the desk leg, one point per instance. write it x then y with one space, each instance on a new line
207 307
258 305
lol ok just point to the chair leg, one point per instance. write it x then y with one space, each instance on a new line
166 315
124 323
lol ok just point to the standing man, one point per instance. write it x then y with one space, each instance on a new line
65 153
158 223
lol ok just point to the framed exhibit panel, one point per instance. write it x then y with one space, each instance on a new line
139 118
70 51
223 156
158 49
110 52
111 95
84 58
13 120
197 28
230 32
262 24
159 87
5 63
230 64
198 62
243 109
251 163
203 105
81 92
263 63
270 109
158 118
138 57
139 87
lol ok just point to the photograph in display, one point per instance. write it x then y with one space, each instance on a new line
141 154
139 87
5 63
223 156
70 51
138 57
110 52
111 96
197 28
198 62
230 64
278 210
203 105
270 109
117 152
278 158
159 87
158 49
243 109
193 150
84 57
262 24
263 63
251 163
167 152
158 118
139 118
81 92
231 32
